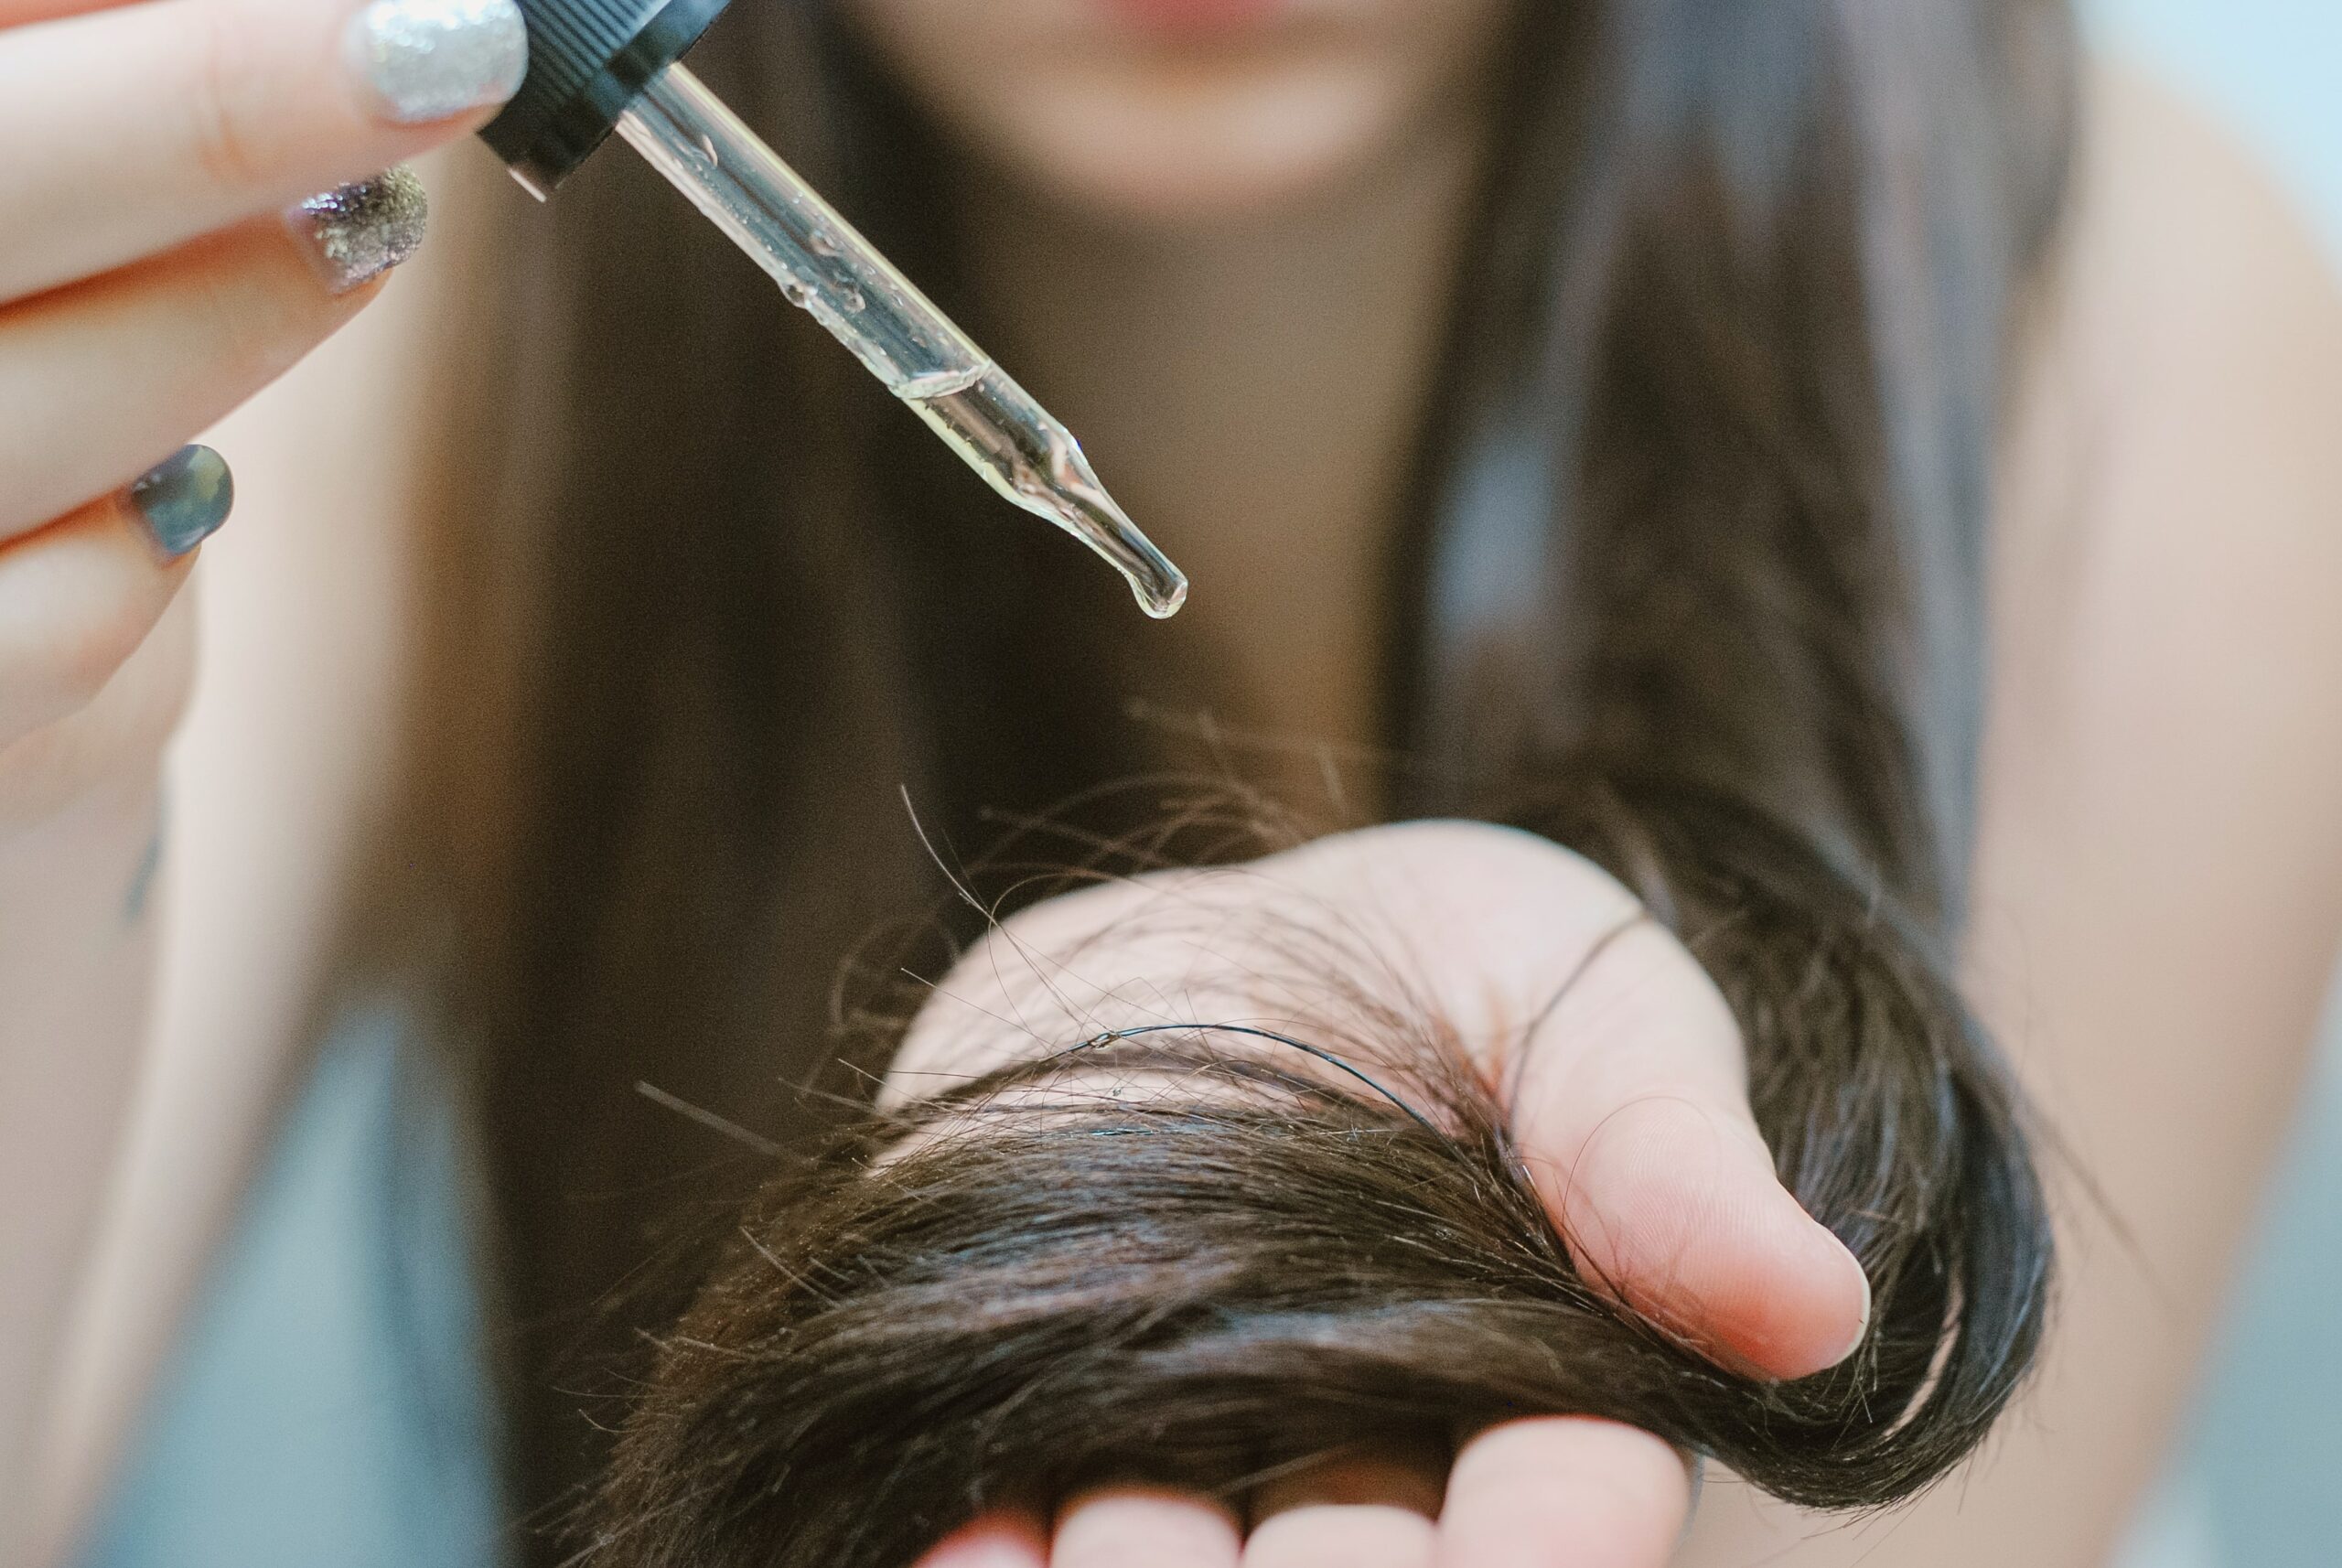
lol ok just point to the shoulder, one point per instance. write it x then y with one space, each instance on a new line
2171 210
2193 342
2167 589
2172 532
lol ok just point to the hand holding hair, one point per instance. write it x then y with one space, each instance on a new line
1617 1060
1264 1196
1621 1070
1626 1087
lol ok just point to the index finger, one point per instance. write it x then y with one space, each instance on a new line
128 131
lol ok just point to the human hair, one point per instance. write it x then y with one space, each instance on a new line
1721 390
1258 1249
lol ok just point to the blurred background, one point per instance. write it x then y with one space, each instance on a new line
2249 1490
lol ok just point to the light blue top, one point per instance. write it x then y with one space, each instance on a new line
329 1406
328 1411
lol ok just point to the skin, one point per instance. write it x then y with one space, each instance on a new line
2159 867
1626 1083
148 288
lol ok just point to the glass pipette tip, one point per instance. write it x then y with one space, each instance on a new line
824 266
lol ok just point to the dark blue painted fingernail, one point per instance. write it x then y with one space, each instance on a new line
185 498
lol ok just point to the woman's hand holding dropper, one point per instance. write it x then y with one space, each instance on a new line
159 265
1627 1090
164 254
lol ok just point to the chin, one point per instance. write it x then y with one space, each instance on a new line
1180 153
1182 111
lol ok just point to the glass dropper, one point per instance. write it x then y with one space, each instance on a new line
826 268
599 65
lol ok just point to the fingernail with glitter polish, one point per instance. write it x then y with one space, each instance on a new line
419 60
355 232
185 498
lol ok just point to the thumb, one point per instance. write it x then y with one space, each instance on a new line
1630 1107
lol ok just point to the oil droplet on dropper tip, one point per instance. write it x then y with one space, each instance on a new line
1026 456
1166 604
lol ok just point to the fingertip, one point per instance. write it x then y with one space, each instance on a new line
1145 1526
1344 1535
993 1540
1674 1211
184 499
1808 1300
1558 1490
352 235
425 62
1848 1307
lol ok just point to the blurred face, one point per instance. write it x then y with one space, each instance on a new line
1187 109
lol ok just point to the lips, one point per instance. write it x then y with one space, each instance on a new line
1193 17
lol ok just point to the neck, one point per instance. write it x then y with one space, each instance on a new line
1251 391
